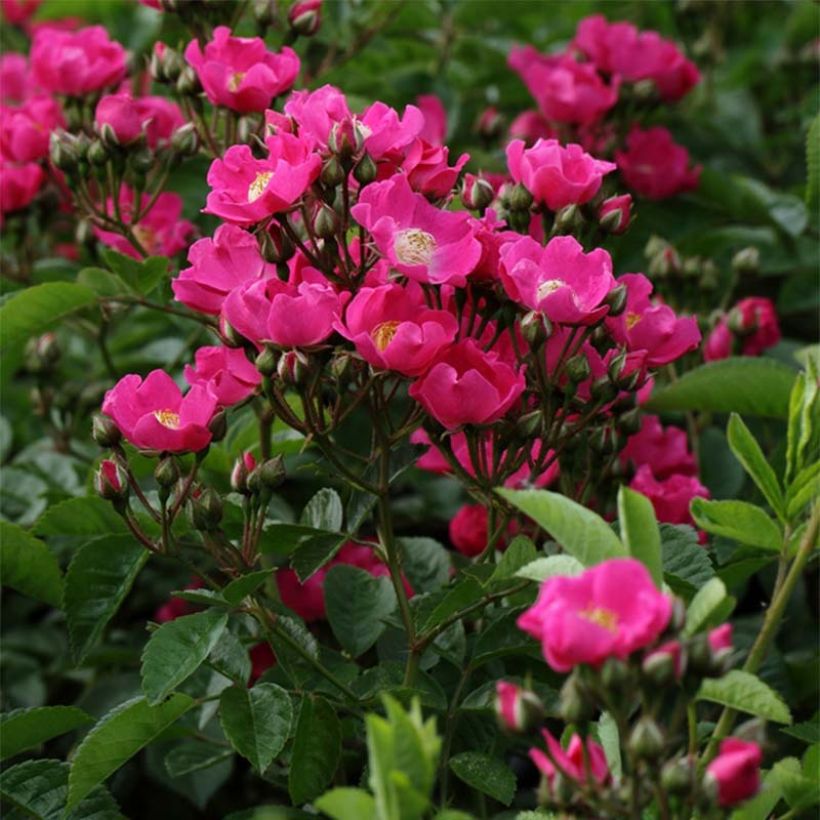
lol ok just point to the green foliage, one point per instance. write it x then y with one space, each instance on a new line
27 565
639 531
317 746
487 774
25 729
746 693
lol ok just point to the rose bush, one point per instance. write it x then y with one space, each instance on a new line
408 411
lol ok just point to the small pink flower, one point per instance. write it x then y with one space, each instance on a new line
719 343
654 165
16 82
610 610
283 313
568 285
468 529
19 184
652 326
317 112
531 126
435 119
571 763
427 169
620 205
670 496
468 386
246 190
757 325
226 372
161 232
565 90
393 328
25 130
239 72
18 12
154 415
420 241
218 265
76 62
664 449
555 174
388 134
156 117
736 771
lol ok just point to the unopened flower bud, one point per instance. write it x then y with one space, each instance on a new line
341 366
700 655
104 431
305 17
185 140
332 172
536 328
141 160
616 299
166 473
206 510
242 468
677 776
173 64
746 260
292 367
476 193
614 214
530 424
575 705
266 362
188 84
108 136
264 12
645 90
326 222
110 482
63 151
365 171
346 138
275 245
630 422
569 219
578 369
42 352
218 426
646 740
520 198
615 675
665 665
272 472
517 709
490 124
603 390
98 154
229 334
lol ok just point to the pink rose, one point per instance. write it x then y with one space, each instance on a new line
434 131
757 325
15 78
305 17
654 165
161 232
156 117
109 480
573 762
652 326
610 610
420 240
568 285
531 126
427 169
317 112
720 639
18 12
556 175
565 90
226 372
719 343
468 529
218 265
25 130
19 184
246 190
239 72
468 386
393 328
670 496
664 449
154 415
76 62
736 771
388 134
615 213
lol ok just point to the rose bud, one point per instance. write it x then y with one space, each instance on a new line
239 474
105 432
517 709
206 510
109 481
734 775
615 213
646 740
490 123
665 664
305 17
476 193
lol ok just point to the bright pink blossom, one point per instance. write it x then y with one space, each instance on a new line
556 175
161 232
531 126
154 415
468 530
755 323
247 190
720 639
19 184
427 169
76 62
218 265
654 165
670 496
387 134
15 78
664 449
435 119
568 285
18 12
468 386
156 117
620 205
226 372
393 328
736 771
239 72
719 343
317 112
25 130
610 610
565 90
573 762
420 241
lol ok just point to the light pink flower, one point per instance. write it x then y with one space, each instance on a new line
556 175
420 241
468 386
225 371
154 415
664 449
392 328
568 285
670 496
25 130
76 62
571 763
246 190
610 610
239 72
19 184
736 771
434 131
218 265
156 117
654 165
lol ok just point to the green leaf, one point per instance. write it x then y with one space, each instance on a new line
707 601
230 658
686 564
26 728
39 788
103 283
357 604
610 739
745 693
519 553
747 451
99 577
487 774
314 552
324 511
803 435
426 563
803 489
463 593
239 589
737 520
176 650
256 721
143 275
542 568
117 737
194 756
799 791
813 163
808 731
317 748
755 386
27 565
346 803
582 533
639 531
76 517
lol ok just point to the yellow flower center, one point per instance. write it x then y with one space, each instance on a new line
257 187
548 287
235 80
147 237
167 418
632 319
605 618
414 247
383 334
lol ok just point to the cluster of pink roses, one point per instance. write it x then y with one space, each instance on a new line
749 328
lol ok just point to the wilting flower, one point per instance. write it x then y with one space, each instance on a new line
571 763
670 496
736 771
129 118
226 371
665 449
